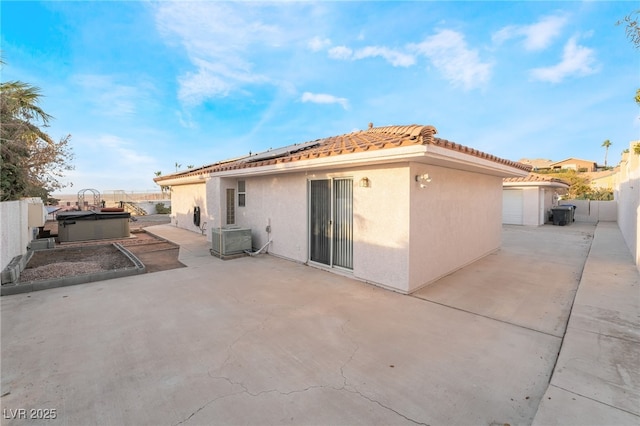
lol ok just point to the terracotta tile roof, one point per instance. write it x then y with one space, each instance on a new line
573 159
534 177
374 138
537 163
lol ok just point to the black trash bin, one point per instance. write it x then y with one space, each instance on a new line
573 210
562 215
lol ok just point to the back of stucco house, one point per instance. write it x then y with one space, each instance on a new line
393 206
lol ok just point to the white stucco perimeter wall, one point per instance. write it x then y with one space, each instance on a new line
15 233
455 220
593 211
628 196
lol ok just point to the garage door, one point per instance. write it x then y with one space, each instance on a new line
512 206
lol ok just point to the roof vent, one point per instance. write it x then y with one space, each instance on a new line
371 125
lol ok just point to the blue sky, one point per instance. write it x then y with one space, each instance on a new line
142 86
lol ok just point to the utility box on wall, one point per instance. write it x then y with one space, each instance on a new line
228 241
36 215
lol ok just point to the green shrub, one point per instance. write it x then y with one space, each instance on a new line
161 209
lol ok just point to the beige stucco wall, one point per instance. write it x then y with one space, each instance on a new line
380 219
404 237
627 193
531 206
183 199
381 226
281 201
15 230
575 164
455 220
593 211
15 234
550 198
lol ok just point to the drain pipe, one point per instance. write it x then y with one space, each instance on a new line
269 241
255 253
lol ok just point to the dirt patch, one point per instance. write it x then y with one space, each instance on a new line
155 253
64 262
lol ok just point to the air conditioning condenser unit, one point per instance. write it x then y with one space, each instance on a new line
229 241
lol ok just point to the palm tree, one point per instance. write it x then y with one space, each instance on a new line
606 145
31 160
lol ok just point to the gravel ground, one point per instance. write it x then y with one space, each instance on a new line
85 257
68 261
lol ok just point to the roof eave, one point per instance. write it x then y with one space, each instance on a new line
391 155
540 183
182 180
438 155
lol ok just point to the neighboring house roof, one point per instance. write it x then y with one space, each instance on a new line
537 163
602 174
603 179
534 179
370 140
573 159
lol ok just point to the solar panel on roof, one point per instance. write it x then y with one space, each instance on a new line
280 152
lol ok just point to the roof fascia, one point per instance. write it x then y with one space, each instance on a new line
391 155
459 160
429 154
183 180
547 184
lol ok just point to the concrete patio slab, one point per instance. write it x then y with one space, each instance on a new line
531 281
598 369
261 340
560 407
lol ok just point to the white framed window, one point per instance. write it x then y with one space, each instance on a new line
242 194
231 206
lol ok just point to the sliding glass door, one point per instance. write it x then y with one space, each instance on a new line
331 222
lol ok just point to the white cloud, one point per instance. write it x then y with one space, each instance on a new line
394 57
321 98
219 38
316 44
537 36
185 120
448 52
340 52
199 86
576 61
108 97
119 148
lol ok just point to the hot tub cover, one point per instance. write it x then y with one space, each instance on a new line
91 215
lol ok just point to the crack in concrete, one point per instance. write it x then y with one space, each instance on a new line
375 401
204 406
248 392
245 390
242 335
352 389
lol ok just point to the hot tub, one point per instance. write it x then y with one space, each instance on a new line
90 225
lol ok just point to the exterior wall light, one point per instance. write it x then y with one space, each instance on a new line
365 182
423 180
